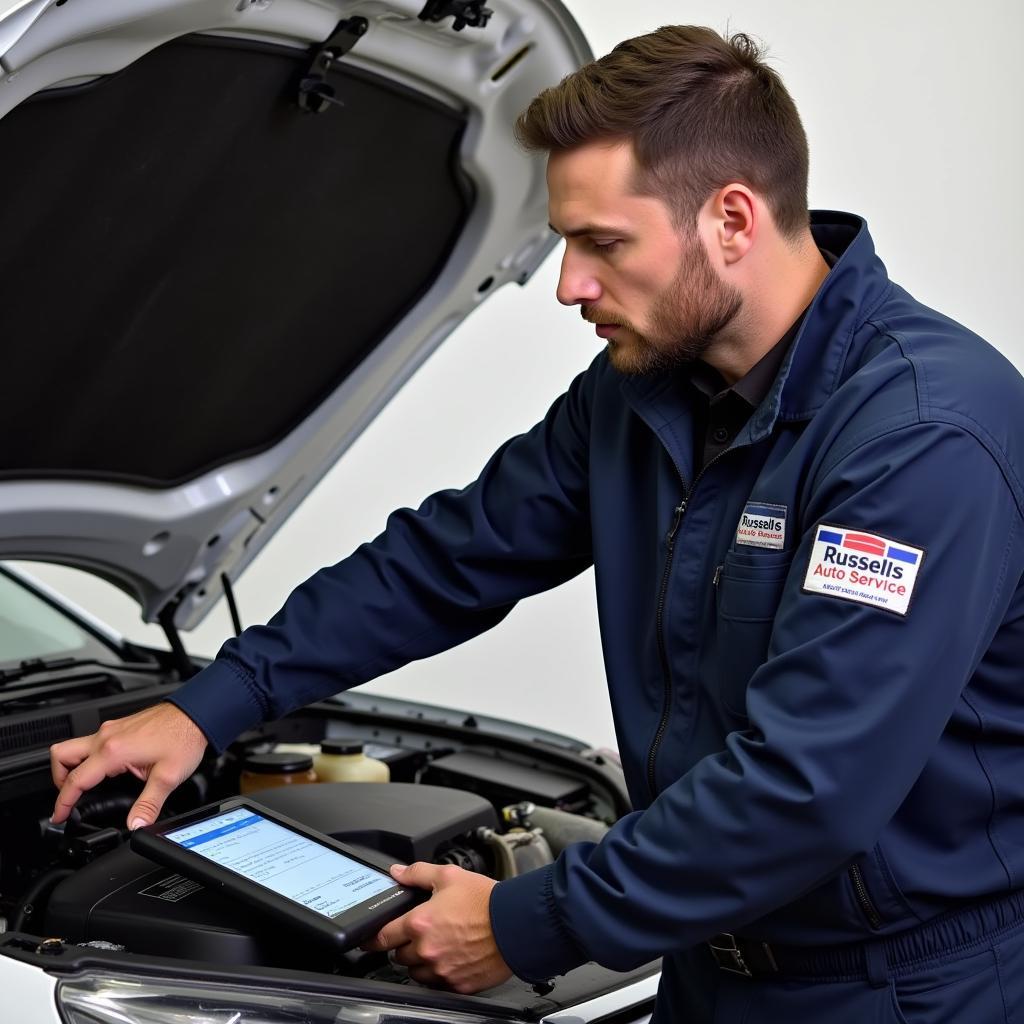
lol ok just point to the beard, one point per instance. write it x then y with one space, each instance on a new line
684 319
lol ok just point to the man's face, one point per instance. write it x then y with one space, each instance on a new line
650 290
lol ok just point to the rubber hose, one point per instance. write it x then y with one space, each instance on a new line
39 889
562 828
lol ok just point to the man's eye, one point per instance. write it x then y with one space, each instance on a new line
606 246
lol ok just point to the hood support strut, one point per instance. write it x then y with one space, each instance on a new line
182 662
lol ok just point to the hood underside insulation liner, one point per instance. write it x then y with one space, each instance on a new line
190 264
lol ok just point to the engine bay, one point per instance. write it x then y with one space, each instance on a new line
496 798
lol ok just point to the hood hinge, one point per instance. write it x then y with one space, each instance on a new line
316 94
465 12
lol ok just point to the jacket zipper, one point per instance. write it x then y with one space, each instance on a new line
662 651
666 702
864 898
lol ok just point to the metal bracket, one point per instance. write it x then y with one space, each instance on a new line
316 94
465 12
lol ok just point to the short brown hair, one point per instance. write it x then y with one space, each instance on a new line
701 111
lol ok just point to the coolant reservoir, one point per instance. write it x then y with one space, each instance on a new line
266 771
344 761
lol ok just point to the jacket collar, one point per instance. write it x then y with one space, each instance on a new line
853 290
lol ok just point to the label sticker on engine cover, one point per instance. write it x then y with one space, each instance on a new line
172 888
863 567
762 526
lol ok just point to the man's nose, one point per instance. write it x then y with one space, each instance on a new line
577 286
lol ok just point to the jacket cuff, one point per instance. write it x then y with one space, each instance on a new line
530 934
221 701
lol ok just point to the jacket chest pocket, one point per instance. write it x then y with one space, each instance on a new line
748 592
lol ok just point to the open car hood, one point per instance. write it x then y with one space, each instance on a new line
231 230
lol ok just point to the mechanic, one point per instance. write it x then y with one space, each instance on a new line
801 492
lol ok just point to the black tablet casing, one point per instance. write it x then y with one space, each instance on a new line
355 925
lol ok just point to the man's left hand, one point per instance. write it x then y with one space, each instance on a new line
447 940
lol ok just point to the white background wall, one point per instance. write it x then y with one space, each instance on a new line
914 114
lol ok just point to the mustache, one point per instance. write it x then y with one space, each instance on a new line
595 316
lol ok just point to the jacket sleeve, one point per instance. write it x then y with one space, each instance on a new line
435 577
842 717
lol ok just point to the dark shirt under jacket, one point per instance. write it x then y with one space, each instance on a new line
721 411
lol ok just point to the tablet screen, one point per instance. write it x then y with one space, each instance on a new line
284 861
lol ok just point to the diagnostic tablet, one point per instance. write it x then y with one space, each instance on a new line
296 875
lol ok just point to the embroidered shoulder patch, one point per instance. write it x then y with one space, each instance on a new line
863 567
762 526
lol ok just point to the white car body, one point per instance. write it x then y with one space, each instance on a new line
173 526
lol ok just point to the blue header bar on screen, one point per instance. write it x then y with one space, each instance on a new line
217 833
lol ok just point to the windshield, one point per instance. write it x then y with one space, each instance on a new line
32 628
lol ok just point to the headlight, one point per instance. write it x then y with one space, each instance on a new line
107 999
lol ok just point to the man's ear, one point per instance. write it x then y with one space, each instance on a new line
733 215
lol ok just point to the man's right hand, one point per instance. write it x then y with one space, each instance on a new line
160 745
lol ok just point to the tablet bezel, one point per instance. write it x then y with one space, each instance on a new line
348 929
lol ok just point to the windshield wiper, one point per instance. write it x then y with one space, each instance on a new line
36 666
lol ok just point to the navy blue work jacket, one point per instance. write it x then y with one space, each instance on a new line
814 647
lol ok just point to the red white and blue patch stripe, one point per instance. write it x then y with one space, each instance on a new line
869 544
865 568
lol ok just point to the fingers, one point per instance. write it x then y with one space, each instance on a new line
67 755
391 936
419 875
425 976
405 955
405 928
89 773
158 788
446 940
160 745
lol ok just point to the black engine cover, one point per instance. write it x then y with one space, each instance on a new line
124 898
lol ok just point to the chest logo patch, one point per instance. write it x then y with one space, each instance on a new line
864 568
762 526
